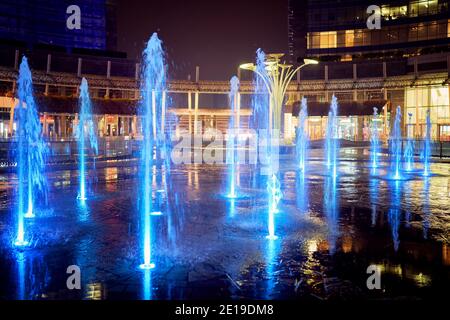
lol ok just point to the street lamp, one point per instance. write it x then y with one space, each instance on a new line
277 78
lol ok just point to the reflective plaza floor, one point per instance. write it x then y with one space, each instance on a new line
209 246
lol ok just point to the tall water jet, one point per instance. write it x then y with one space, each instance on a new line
375 139
233 131
409 150
30 152
332 142
396 146
153 82
259 120
86 132
302 136
427 146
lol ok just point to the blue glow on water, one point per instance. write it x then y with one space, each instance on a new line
396 146
21 276
331 211
302 192
147 284
394 213
231 142
153 86
302 136
375 140
409 151
275 195
30 153
332 138
272 251
374 188
427 147
86 132
426 207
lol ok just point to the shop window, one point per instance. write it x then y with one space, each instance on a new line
328 39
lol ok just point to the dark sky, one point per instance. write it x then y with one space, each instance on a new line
217 35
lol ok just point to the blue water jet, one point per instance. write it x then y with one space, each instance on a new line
396 146
259 120
231 141
427 146
30 152
375 140
86 132
153 85
302 136
332 138
409 151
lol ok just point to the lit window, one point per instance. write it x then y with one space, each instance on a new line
349 38
328 39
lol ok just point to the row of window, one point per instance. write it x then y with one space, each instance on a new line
386 35
338 13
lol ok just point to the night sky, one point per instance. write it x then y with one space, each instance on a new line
217 35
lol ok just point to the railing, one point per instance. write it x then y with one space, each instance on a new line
439 149
68 150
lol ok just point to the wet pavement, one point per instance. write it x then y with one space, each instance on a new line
207 246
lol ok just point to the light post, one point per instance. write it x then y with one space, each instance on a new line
276 79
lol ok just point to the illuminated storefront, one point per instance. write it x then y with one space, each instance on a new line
417 102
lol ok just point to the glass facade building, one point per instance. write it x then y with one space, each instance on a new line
413 42
44 22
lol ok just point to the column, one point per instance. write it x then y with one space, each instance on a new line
196 98
108 76
74 125
16 59
45 131
237 104
190 111
163 113
134 126
11 117
63 126
80 61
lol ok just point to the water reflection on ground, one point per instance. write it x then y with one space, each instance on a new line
212 247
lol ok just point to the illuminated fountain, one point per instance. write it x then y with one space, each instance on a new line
260 110
332 142
375 139
153 82
30 152
427 147
409 151
302 136
231 141
86 132
396 146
